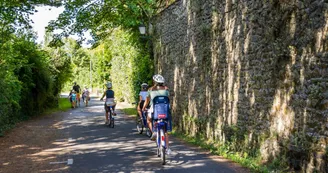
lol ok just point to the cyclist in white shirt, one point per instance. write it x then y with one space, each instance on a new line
142 97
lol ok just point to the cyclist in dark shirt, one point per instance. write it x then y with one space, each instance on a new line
77 89
109 93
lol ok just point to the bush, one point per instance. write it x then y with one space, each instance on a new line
30 83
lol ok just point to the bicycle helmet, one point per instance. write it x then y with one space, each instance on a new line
109 84
158 78
144 85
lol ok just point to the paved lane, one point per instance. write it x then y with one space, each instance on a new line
95 147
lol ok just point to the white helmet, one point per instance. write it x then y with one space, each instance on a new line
109 84
158 78
144 85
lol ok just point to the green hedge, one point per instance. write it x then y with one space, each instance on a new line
30 82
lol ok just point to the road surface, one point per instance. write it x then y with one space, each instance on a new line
93 147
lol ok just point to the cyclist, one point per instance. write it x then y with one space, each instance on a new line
77 89
142 97
158 89
109 93
72 97
86 95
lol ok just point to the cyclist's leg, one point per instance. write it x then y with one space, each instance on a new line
106 109
149 121
140 106
78 98
167 139
139 111
168 149
113 108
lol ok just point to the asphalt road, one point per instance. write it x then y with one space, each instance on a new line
94 147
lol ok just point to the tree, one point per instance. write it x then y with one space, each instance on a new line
100 17
14 16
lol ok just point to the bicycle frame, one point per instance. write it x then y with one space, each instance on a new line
110 111
144 118
161 140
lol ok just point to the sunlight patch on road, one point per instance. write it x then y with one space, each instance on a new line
68 162
18 146
193 165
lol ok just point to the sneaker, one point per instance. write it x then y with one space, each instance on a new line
153 136
168 151
106 123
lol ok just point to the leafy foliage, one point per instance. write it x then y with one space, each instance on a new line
119 58
101 17
30 80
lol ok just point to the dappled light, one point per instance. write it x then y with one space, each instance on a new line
248 80
255 76
111 150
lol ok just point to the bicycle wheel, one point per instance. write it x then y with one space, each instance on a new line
158 145
139 124
112 122
162 147
158 152
163 150
110 118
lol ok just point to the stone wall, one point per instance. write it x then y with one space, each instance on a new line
251 74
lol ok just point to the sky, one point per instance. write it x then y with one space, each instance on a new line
41 19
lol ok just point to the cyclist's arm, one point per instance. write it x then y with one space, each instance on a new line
140 98
103 95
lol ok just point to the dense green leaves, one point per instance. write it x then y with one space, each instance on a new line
120 58
30 79
100 17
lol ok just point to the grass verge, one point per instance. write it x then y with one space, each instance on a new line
222 150
130 111
63 105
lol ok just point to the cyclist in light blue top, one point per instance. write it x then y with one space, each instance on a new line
158 89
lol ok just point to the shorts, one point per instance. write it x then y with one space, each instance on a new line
106 107
77 96
141 104
150 112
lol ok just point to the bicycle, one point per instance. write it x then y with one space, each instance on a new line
141 123
161 106
111 119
